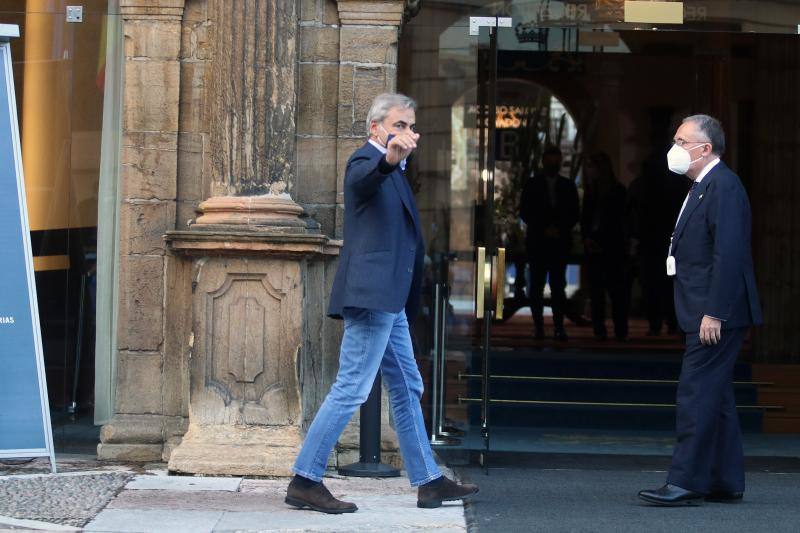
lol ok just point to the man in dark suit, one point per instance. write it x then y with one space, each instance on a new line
716 302
376 291
549 207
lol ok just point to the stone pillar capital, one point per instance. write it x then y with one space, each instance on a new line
371 12
251 211
151 9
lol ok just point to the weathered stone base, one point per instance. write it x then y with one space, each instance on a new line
140 438
137 453
237 450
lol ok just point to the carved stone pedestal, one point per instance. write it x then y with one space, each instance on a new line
248 267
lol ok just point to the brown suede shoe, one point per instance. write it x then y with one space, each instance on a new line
317 498
431 495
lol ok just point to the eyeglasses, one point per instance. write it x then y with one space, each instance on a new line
681 142
402 126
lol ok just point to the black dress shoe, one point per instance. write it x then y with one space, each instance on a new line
723 496
671 496
316 497
431 495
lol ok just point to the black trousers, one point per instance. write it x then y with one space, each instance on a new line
606 273
657 291
553 264
708 455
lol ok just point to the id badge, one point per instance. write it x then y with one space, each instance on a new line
671 269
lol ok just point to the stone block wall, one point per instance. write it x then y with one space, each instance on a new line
318 81
310 88
147 412
194 163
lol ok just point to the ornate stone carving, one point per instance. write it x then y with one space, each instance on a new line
243 340
247 348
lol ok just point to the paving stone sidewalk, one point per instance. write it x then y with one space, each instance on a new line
154 502
66 499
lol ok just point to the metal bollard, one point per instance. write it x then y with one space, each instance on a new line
369 464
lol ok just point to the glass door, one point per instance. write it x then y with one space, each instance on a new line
454 178
60 84
601 84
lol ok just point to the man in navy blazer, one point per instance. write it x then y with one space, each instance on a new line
376 290
716 302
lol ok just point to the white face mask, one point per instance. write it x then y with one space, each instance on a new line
679 159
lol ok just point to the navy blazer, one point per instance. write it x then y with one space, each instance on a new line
381 263
712 253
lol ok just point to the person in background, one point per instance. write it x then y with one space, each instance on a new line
654 199
549 207
604 242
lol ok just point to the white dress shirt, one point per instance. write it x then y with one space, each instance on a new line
700 177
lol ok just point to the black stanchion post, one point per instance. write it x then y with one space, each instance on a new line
370 464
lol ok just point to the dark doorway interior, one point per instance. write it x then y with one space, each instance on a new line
627 105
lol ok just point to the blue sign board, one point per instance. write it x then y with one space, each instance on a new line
25 429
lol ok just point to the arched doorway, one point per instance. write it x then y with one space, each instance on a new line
624 98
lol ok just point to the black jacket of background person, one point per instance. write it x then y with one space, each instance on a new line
537 211
654 201
603 218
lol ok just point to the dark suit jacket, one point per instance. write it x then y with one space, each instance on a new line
538 212
603 218
711 246
381 263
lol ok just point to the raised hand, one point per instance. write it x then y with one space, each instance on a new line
400 147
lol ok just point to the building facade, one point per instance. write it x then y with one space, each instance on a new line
206 144
237 122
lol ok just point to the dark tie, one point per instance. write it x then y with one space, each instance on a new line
692 188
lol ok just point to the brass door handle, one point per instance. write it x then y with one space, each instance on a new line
480 277
496 282
500 287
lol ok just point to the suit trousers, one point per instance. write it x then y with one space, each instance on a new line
548 265
708 455
606 273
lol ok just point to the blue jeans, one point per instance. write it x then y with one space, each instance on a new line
372 340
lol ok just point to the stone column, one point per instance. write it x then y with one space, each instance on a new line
250 254
251 105
248 323
148 403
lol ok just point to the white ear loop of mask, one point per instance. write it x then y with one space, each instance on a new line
679 159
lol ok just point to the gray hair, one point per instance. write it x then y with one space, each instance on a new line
712 129
384 103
